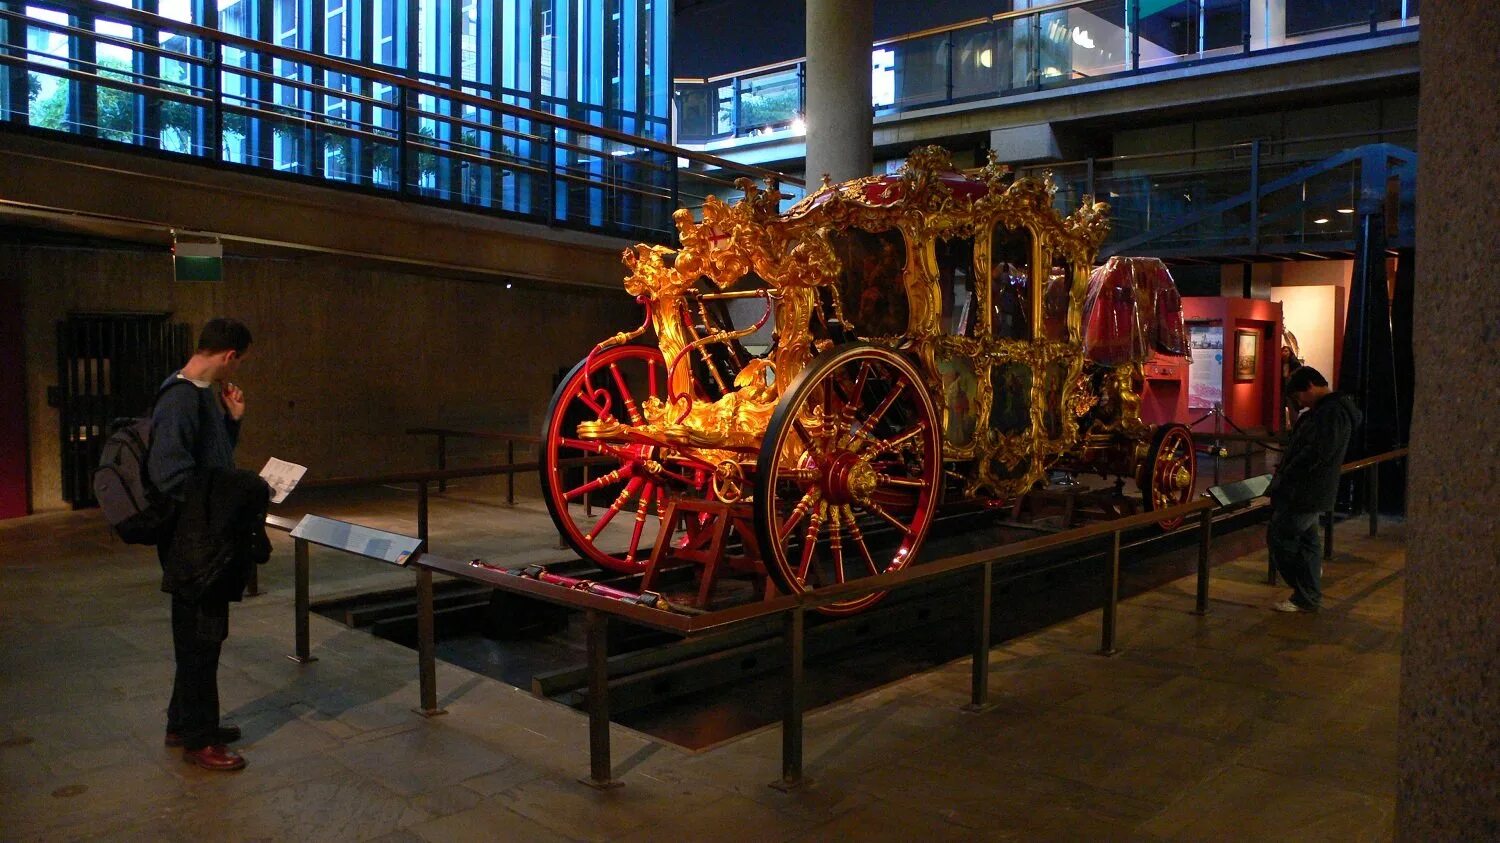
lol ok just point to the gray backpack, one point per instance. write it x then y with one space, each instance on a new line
135 510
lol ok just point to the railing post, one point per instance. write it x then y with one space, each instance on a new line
1111 598
1133 43
442 461
1205 540
403 138
598 655
422 514
426 646
1218 445
980 688
791 720
300 601
216 68
1245 25
1255 195
1372 498
510 479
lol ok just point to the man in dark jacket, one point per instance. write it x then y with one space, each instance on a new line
194 431
1306 484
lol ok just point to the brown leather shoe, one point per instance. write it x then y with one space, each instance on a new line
227 734
215 757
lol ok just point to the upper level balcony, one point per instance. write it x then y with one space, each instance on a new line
1011 55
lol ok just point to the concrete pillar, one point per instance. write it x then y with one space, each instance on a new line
1448 743
839 125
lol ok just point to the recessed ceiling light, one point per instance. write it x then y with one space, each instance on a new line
1320 221
1346 210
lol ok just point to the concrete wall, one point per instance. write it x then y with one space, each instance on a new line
345 358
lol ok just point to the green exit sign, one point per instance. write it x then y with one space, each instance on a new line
198 261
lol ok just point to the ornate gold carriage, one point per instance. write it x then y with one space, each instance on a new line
920 341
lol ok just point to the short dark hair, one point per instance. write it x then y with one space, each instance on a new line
224 334
1303 378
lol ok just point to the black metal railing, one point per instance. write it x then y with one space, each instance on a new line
115 75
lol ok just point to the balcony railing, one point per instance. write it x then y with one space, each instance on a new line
119 77
1258 197
1032 50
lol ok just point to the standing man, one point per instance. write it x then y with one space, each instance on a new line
1306 484
195 427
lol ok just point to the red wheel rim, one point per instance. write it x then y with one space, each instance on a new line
849 474
628 487
1173 472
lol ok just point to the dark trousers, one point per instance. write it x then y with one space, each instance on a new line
198 633
1296 549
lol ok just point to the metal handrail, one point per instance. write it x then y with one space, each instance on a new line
146 19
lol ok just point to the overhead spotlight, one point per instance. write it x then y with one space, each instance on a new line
1346 210
1320 221
508 285
986 57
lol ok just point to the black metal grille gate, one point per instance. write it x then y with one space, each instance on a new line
108 367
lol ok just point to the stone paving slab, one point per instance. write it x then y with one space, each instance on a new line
1242 725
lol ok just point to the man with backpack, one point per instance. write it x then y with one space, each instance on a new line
217 531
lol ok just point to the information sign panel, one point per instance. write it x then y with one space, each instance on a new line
358 539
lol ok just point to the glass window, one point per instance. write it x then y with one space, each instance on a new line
1010 283
955 264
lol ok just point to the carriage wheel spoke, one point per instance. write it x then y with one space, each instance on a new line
810 541
614 509
836 545
615 476
809 499
859 538
874 418
641 512
893 520
630 407
813 446
587 398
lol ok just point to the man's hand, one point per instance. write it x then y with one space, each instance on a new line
234 401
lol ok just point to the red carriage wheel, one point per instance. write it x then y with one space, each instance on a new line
609 509
849 473
1169 474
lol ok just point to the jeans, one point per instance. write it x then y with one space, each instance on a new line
198 633
1296 550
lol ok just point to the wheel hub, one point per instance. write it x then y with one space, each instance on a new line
849 479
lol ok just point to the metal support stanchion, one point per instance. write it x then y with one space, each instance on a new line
1372 498
598 655
510 479
442 460
301 603
1205 538
1218 446
1111 599
791 721
252 583
422 514
1328 535
979 693
426 646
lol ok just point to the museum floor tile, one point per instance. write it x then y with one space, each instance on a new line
1241 725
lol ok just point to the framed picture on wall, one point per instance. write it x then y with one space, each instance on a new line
1246 354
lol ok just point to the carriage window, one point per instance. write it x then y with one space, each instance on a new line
1055 301
871 286
955 264
1010 295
